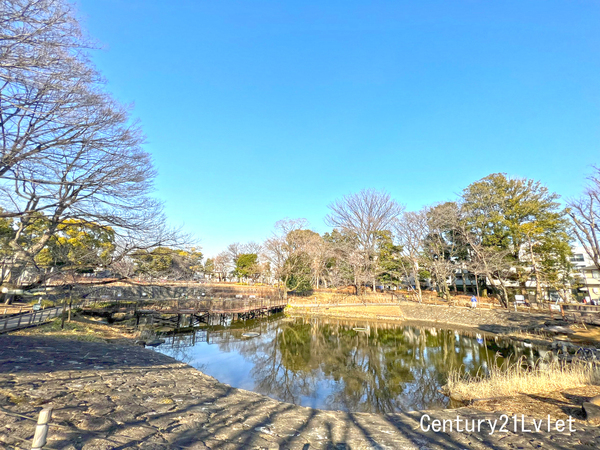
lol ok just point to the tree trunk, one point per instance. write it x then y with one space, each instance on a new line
538 287
70 303
505 294
418 288
63 315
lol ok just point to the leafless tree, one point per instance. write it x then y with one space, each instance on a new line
585 214
282 249
234 251
348 261
252 247
69 151
319 252
50 94
364 214
411 230
125 267
222 266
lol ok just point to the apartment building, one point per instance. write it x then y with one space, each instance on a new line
589 274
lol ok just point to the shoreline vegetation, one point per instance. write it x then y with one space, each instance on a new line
519 379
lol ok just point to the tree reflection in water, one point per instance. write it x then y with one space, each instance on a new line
325 363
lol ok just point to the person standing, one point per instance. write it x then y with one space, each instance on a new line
473 302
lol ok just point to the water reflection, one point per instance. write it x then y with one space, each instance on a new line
327 364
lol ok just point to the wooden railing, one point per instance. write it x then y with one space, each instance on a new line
16 322
581 313
196 305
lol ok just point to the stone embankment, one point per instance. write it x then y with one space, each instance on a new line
490 320
109 396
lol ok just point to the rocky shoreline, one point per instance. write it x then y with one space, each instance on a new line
492 321
108 396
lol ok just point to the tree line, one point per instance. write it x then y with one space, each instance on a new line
502 235
76 185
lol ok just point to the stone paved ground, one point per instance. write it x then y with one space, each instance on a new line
108 396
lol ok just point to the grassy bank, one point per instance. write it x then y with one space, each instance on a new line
517 379
81 328
329 298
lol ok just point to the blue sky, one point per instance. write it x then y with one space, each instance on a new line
259 110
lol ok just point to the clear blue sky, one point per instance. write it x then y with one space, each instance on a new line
260 110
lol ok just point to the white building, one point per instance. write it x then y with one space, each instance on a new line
588 272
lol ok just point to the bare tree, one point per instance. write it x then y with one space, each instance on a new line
252 247
69 151
319 252
363 215
222 266
348 261
234 251
283 249
411 230
585 214
46 82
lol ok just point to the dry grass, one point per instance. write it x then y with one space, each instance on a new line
334 298
387 313
341 297
80 329
556 404
516 379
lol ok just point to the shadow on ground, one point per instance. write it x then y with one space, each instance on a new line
119 397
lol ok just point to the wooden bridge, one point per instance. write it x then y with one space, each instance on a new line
181 312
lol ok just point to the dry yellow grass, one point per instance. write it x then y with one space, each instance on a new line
502 381
345 297
80 329
334 298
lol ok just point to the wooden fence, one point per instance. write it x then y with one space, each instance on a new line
19 321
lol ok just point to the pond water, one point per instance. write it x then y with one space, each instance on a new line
326 363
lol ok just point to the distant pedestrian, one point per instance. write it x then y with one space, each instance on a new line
473 302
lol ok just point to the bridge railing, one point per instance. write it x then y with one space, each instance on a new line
28 319
206 305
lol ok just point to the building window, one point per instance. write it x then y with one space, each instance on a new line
577 258
596 274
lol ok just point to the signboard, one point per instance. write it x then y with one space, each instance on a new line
519 299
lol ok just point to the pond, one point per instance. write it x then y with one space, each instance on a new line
354 366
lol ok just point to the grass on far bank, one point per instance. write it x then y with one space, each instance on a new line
502 381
